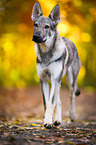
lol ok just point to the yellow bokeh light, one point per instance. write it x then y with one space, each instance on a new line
82 54
8 46
82 72
75 33
63 28
6 65
86 37
50 4
78 2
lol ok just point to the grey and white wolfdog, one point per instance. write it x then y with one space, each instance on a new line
56 56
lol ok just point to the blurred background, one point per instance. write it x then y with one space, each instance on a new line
17 54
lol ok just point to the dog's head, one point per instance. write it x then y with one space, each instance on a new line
44 27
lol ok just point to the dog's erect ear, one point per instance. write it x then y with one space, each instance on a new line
37 12
55 15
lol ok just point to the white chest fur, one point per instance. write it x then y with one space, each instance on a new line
54 69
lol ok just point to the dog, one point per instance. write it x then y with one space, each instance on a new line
56 56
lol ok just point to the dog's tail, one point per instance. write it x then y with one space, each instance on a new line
77 91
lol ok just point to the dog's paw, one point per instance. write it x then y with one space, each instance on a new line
56 123
72 120
72 114
48 126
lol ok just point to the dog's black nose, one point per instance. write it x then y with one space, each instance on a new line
36 36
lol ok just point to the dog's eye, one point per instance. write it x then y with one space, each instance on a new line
46 26
36 25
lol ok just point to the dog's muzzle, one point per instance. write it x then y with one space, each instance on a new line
37 38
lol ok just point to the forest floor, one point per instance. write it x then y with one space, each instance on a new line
21 119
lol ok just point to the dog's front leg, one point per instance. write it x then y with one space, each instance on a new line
51 104
45 92
58 116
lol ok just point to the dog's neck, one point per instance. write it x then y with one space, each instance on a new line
44 48
45 51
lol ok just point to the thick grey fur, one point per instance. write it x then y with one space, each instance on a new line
45 28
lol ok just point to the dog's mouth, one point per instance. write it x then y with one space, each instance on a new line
38 39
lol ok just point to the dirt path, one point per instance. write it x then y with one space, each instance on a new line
22 133
21 119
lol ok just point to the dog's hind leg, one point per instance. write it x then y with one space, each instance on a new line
45 92
58 117
71 77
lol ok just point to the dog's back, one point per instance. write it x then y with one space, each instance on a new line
73 60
